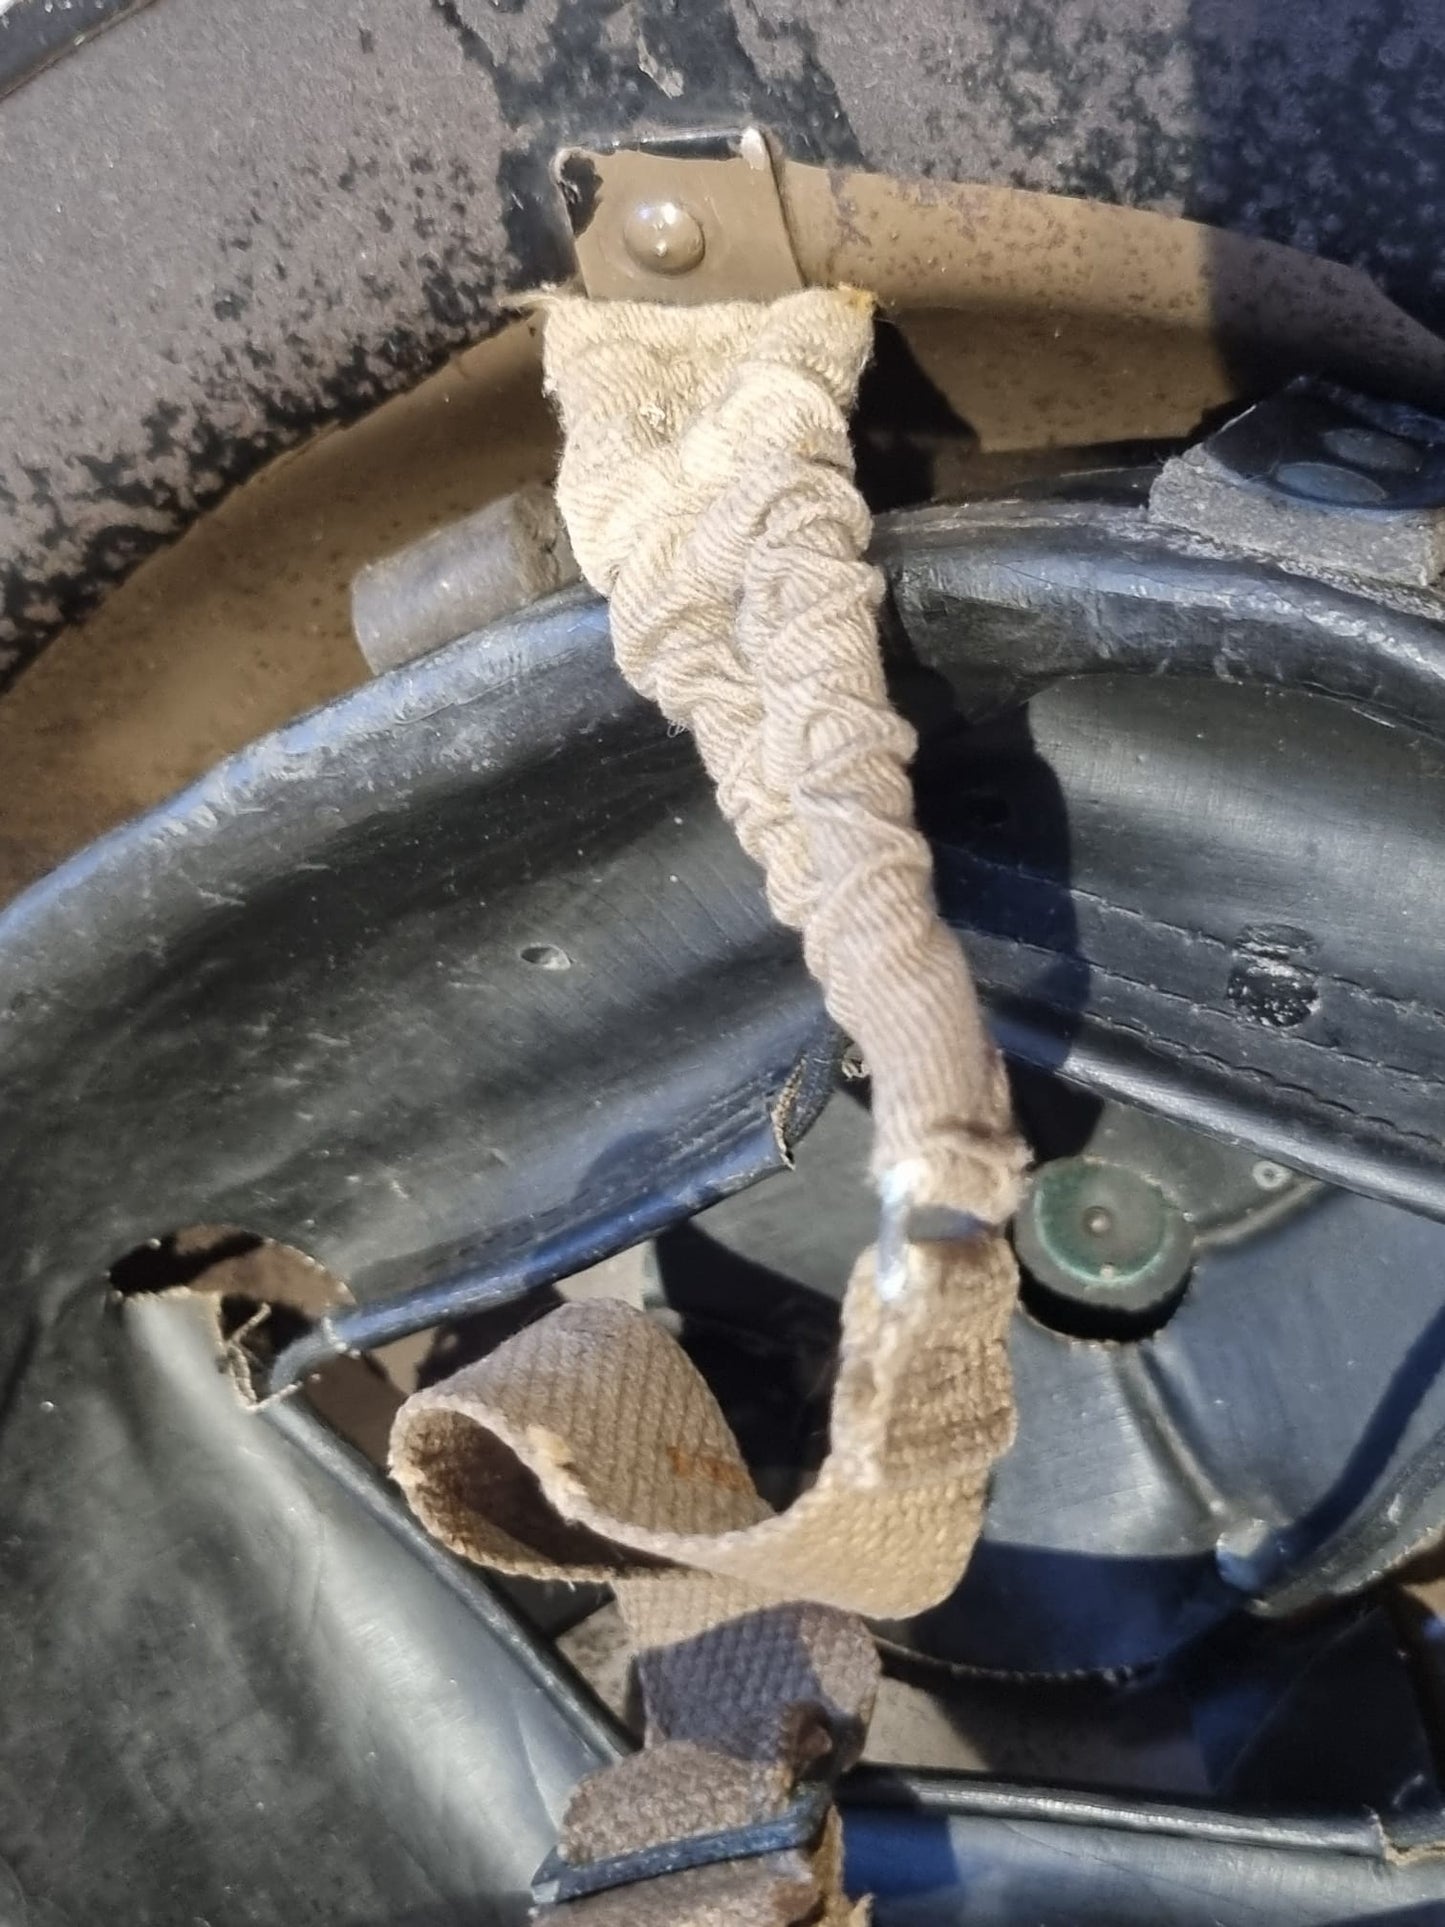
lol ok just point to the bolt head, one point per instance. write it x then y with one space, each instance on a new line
1105 1240
664 237
1270 1176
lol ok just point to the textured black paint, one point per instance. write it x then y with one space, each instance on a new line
1325 127
226 227
600 69
33 33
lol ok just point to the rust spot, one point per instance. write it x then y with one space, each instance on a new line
708 1468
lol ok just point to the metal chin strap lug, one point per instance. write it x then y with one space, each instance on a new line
687 219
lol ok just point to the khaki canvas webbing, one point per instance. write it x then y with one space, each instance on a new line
707 486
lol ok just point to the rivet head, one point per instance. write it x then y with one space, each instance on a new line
1107 1252
664 236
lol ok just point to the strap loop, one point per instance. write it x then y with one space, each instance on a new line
707 487
798 1825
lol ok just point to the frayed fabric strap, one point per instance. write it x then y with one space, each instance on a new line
707 487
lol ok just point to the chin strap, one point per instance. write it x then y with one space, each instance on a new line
707 487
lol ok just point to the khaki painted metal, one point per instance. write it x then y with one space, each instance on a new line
683 223
1043 322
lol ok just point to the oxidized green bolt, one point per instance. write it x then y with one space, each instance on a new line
1104 1238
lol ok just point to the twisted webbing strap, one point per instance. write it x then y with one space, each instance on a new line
707 487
